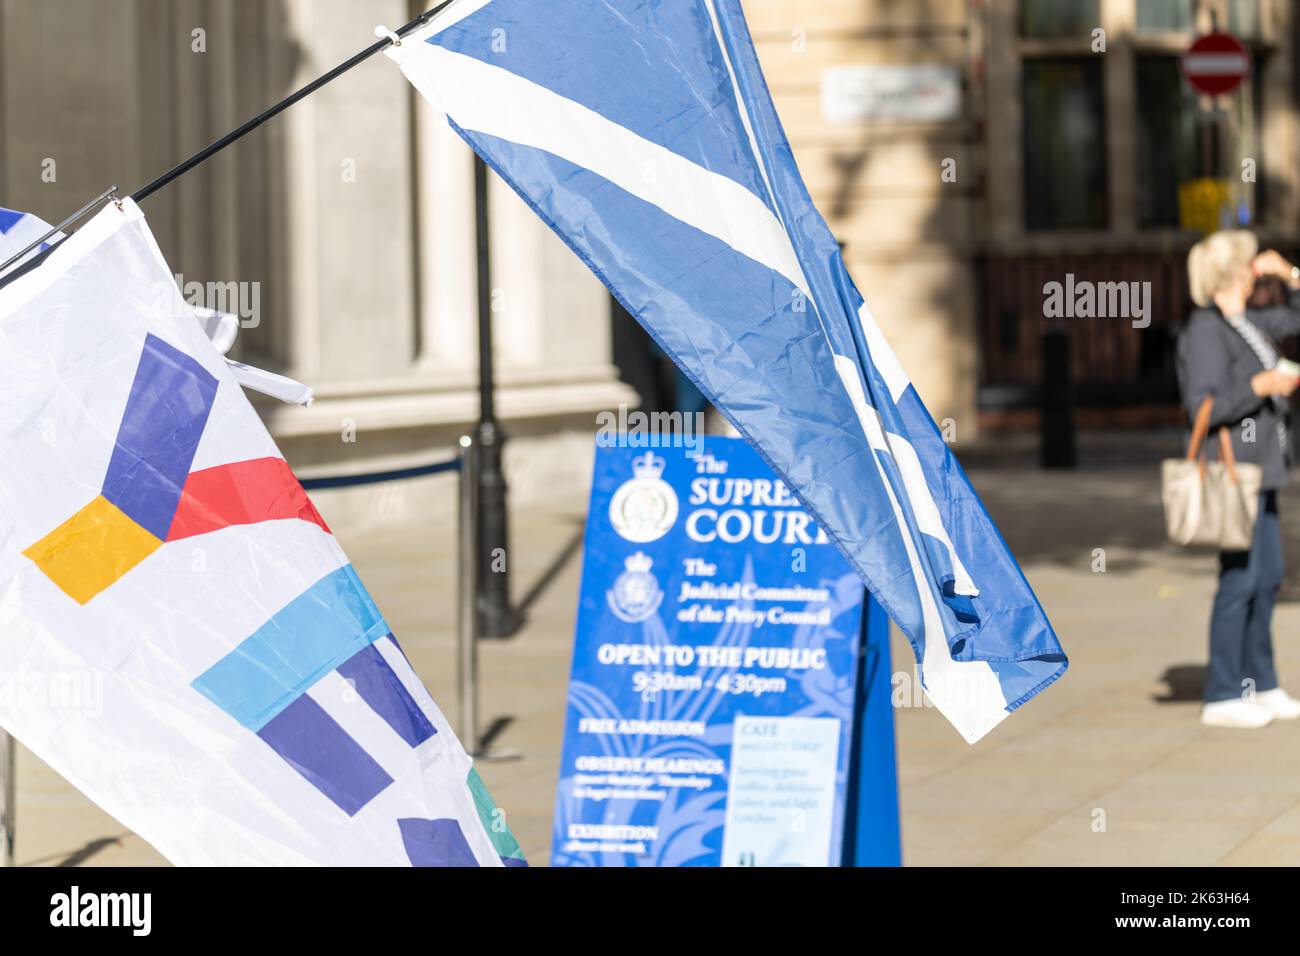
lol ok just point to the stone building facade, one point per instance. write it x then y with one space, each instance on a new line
965 151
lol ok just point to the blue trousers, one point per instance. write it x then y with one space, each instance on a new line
1241 642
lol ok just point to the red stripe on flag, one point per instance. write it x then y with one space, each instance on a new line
246 492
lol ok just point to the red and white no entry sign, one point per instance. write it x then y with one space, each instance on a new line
1216 64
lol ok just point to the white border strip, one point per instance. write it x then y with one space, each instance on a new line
489 100
338 698
968 693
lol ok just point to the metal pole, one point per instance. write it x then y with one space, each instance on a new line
111 191
499 618
8 798
144 192
467 610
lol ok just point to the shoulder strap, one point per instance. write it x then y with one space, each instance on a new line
1200 428
1201 431
1226 454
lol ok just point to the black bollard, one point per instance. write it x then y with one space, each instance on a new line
1057 447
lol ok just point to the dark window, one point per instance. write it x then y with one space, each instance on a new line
1058 18
1064 144
1169 147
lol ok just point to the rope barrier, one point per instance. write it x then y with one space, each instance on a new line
374 478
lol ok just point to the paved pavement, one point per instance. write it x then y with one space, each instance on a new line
1108 767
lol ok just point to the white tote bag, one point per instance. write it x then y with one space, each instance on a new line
1210 503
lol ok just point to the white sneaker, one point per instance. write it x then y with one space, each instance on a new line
1242 714
1279 703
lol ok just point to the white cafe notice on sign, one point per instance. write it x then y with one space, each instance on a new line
781 791
925 93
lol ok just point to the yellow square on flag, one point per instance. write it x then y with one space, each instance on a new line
92 550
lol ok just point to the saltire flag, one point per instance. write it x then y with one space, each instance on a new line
181 636
643 133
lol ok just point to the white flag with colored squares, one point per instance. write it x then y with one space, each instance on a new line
181 636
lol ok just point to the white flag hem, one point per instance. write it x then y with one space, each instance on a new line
68 253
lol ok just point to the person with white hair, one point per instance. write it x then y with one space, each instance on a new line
1229 352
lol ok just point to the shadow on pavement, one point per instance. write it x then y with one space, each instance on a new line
1184 683
553 570
79 857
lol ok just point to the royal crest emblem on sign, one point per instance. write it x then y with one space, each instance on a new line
635 594
645 507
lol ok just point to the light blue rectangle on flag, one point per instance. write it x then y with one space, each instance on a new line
316 632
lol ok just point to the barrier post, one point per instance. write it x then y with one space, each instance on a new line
8 798
467 609
497 617
470 611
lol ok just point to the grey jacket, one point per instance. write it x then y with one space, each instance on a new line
1213 359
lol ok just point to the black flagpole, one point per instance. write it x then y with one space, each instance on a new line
497 617
144 192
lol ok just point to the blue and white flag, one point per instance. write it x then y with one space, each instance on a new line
642 132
